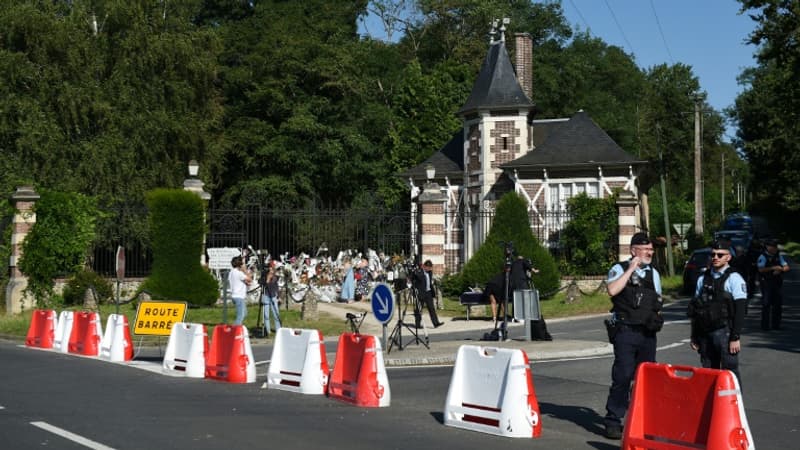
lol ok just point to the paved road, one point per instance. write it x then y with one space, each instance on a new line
45 395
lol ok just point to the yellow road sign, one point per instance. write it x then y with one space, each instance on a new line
156 318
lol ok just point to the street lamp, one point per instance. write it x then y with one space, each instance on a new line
194 167
430 172
194 184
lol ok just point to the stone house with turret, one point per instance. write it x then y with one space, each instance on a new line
502 147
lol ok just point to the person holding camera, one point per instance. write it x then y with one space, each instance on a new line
269 299
238 280
423 282
635 289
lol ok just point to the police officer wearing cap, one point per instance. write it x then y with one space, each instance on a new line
717 313
771 267
635 289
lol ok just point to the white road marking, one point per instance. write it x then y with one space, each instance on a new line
71 436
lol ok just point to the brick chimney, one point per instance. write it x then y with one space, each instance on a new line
524 62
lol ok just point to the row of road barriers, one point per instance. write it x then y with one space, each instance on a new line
81 333
491 389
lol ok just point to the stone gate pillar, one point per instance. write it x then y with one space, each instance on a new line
627 203
431 210
23 200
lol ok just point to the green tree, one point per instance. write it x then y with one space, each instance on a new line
589 236
768 110
511 225
109 98
59 242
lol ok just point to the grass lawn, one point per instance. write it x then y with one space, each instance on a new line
593 303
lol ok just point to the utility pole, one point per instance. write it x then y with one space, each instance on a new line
722 187
668 228
698 172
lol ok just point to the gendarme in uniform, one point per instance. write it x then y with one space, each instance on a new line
635 289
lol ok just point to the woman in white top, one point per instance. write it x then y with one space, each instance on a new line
238 280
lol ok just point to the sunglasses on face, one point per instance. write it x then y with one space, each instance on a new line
719 254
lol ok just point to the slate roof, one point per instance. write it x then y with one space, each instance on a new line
496 86
578 141
448 161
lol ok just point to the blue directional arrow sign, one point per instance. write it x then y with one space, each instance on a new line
382 302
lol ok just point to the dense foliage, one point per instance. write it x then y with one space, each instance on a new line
511 227
176 227
590 236
59 241
768 111
284 103
77 285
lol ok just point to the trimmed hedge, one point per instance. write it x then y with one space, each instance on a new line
176 230
511 224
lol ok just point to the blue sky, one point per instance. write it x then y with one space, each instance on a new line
707 35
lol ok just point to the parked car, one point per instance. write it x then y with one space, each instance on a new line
739 222
695 267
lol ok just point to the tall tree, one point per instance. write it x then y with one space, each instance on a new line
109 98
768 110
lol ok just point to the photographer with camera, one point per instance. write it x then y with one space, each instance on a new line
238 280
635 289
269 299
423 282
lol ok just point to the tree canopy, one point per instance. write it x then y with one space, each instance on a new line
768 111
285 104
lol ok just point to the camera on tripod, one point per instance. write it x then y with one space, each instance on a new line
508 249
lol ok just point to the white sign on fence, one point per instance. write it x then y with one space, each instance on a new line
220 258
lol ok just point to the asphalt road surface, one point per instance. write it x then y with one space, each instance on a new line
51 400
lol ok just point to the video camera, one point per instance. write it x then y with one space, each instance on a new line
410 267
508 248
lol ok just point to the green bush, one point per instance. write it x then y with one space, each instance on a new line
59 241
511 224
452 284
75 289
176 230
590 235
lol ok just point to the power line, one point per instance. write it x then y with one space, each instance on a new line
660 31
614 16
579 13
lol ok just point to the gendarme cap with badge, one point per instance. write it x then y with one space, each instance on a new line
640 239
720 245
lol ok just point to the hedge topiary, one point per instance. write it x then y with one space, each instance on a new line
176 225
511 224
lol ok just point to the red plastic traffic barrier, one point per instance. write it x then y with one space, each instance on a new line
359 374
230 357
683 407
42 330
86 334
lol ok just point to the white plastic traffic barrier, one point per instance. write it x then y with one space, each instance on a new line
491 391
63 331
298 362
186 350
116 344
